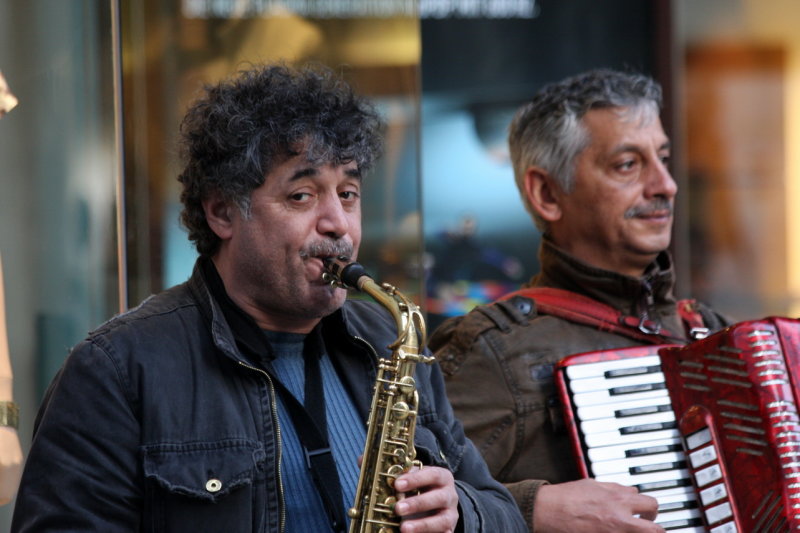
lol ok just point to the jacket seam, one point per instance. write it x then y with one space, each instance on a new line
517 414
124 383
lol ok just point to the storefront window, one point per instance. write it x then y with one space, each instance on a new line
477 69
739 66
57 188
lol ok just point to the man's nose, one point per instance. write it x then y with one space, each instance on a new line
660 182
333 220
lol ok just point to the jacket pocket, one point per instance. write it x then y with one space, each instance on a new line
202 486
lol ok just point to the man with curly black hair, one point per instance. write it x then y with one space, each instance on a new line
236 401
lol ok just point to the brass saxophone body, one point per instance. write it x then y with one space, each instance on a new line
389 448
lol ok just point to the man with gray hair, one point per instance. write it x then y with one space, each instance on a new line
591 162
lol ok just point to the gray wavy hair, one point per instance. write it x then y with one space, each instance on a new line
548 132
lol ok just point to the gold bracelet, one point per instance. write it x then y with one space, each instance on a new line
9 415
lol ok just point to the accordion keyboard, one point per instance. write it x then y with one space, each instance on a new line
625 430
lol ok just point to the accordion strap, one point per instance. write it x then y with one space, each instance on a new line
690 313
584 310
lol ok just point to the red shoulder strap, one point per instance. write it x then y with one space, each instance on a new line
690 313
584 310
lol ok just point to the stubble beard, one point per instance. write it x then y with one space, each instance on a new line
295 295
303 297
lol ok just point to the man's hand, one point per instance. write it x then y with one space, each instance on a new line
593 507
435 508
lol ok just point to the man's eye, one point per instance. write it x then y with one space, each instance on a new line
349 195
665 159
299 196
626 165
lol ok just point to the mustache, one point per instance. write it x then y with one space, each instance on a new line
327 248
659 204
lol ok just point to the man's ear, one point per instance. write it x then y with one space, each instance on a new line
219 215
543 194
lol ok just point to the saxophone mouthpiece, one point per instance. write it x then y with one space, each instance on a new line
341 271
335 263
334 267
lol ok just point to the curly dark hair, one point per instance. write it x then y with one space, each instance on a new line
241 128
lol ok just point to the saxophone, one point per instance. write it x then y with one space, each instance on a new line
389 449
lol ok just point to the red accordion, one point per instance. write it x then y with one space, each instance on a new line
710 429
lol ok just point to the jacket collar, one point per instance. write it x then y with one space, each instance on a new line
235 331
249 337
629 294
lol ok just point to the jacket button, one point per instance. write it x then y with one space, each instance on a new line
524 305
213 485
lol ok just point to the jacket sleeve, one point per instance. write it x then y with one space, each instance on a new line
82 470
524 493
485 506
480 390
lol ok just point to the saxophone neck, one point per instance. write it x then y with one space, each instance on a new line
411 330
408 318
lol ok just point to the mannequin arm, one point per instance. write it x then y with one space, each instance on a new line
10 449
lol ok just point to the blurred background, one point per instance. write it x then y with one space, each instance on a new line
88 159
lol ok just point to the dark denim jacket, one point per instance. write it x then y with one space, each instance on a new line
157 422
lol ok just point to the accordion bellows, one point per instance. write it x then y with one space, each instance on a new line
736 392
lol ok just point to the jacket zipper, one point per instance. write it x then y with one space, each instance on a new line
368 345
647 302
375 360
274 411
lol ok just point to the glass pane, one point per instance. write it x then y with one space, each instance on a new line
477 69
171 48
57 187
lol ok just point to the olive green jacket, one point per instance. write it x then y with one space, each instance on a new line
498 364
